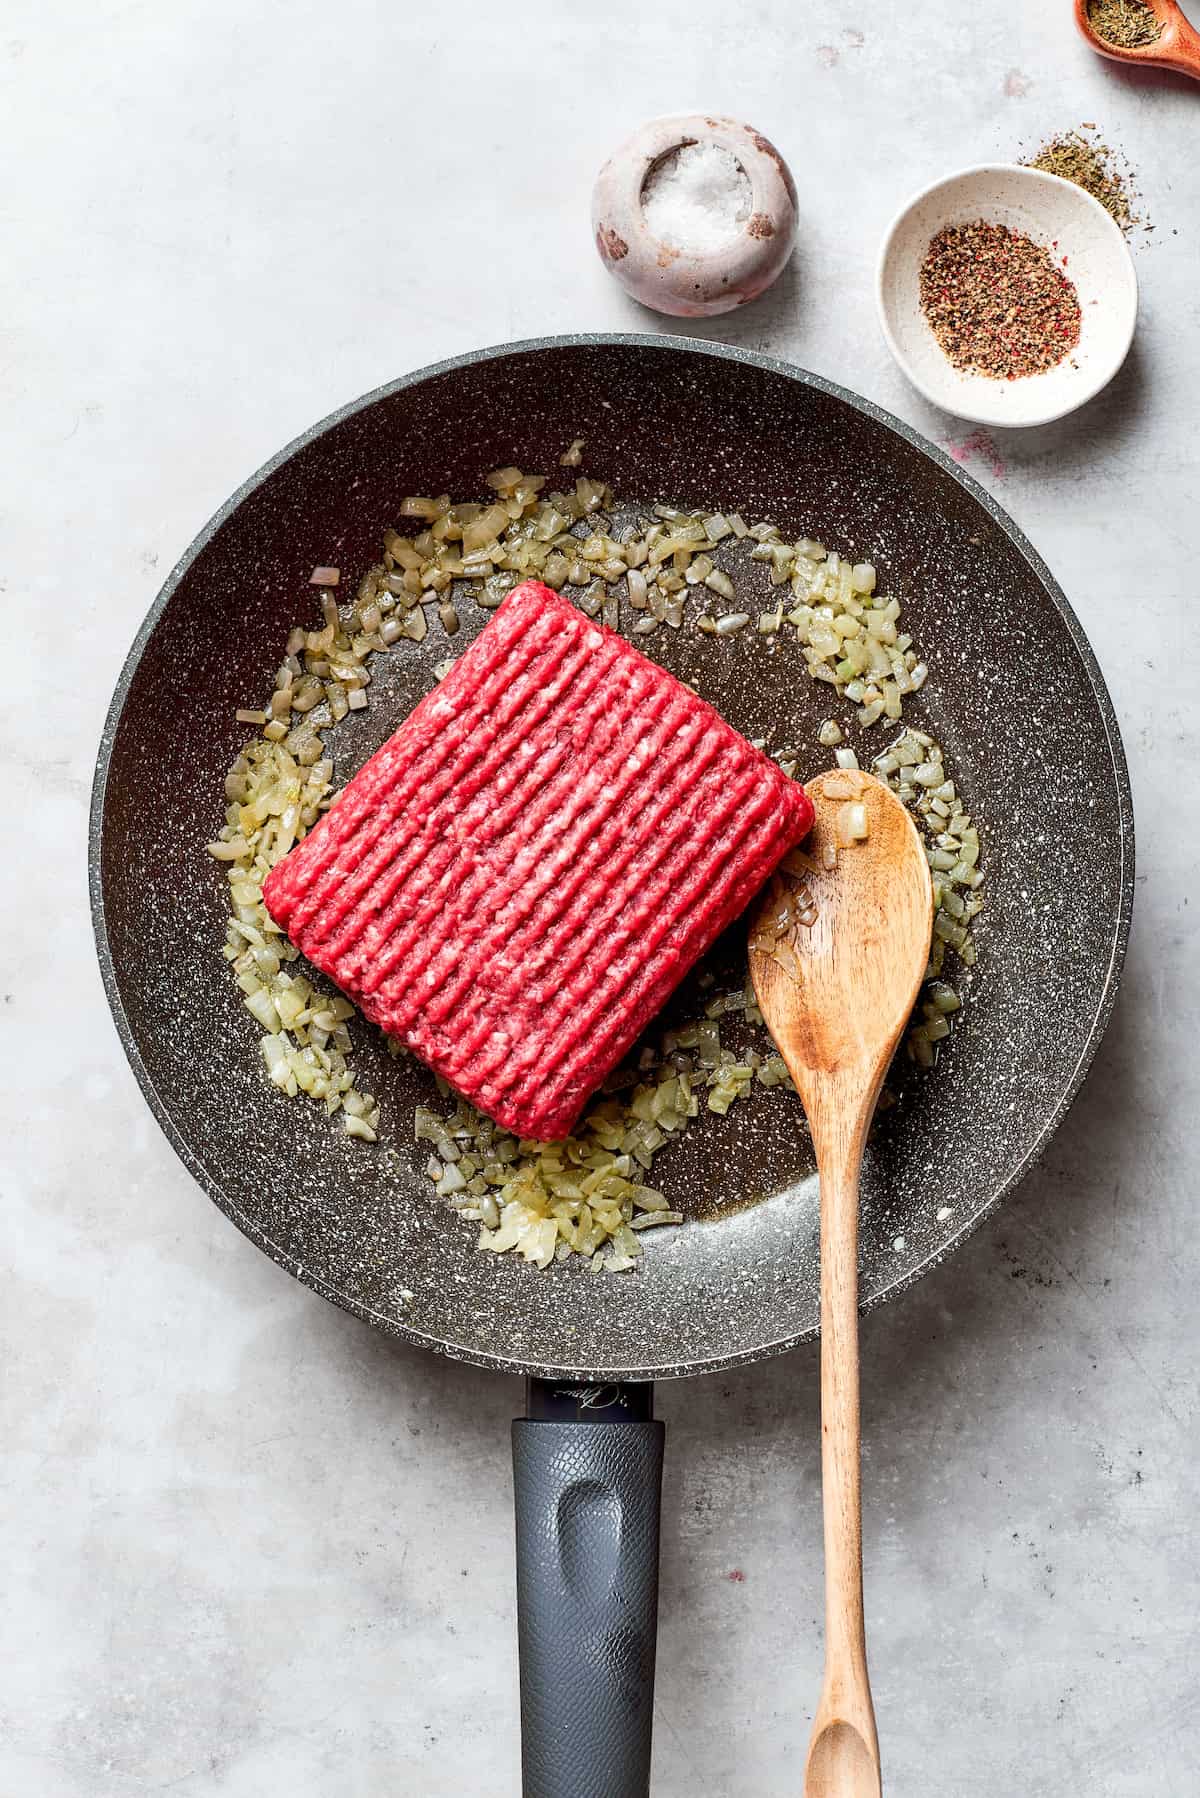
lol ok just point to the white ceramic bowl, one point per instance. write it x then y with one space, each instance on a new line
1051 211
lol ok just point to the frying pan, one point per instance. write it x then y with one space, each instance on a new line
1016 699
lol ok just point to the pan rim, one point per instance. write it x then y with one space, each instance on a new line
650 341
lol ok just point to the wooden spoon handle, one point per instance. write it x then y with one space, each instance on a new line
847 1694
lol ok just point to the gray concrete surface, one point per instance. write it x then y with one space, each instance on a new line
250 1549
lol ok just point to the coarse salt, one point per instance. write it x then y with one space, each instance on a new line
696 197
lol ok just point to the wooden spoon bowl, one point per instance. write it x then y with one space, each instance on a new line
1177 46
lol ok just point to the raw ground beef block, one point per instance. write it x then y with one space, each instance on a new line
517 880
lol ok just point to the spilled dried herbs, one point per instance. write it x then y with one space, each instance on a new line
1092 165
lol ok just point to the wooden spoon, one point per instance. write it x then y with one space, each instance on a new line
837 954
1176 47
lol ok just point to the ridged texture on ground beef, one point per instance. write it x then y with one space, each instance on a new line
517 880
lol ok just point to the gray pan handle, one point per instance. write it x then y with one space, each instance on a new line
587 1476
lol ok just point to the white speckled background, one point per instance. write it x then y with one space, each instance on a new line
251 1549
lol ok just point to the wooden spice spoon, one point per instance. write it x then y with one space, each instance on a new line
837 954
1176 47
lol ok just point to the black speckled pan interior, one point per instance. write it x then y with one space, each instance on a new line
1015 697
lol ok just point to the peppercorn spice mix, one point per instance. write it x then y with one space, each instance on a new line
996 301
